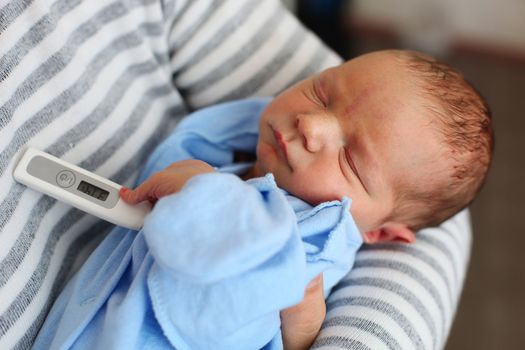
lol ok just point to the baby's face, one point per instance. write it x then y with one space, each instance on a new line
355 130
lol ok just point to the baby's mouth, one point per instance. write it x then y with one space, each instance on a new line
280 142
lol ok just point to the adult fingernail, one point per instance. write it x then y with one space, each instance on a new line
315 282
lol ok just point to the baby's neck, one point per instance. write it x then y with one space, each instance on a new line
250 174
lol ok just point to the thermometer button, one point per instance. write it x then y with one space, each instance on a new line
65 178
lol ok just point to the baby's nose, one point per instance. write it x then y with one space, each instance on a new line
317 130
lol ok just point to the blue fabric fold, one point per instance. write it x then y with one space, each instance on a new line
225 225
215 263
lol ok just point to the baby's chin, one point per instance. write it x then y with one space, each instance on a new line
307 194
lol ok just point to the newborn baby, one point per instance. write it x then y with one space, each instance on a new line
371 150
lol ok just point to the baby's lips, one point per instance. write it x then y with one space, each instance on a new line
279 138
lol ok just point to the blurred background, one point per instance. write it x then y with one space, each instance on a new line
484 39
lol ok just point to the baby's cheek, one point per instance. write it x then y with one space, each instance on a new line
266 157
367 214
264 150
361 216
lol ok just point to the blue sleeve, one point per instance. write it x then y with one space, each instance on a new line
219 226
219 245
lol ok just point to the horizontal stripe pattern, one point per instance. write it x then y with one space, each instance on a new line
413 289
101 83
365 324
338 342
11 11
35 35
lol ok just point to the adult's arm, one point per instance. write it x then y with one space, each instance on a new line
230 49
100 84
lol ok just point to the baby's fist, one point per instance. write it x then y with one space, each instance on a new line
166 182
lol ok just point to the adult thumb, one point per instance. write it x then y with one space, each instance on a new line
301 323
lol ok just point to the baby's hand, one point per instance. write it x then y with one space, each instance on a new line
165 182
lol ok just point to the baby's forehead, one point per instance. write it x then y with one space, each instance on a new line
414 154
385 82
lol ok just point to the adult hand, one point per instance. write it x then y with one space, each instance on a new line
301 323
165 182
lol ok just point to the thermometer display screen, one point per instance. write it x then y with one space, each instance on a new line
93 191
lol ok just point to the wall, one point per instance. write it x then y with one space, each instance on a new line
438 24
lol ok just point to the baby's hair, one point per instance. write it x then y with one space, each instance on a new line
464 119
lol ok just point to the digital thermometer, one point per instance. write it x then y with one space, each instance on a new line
78 187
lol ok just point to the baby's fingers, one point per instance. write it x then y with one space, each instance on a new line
131 196
165 182
146 191
158 185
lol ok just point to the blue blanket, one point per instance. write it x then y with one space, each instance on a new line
214 263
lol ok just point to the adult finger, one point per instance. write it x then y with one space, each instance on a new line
301 323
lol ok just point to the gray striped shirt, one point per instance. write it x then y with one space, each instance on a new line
100 83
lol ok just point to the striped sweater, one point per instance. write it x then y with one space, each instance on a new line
100 84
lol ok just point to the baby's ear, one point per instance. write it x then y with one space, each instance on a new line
390 232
